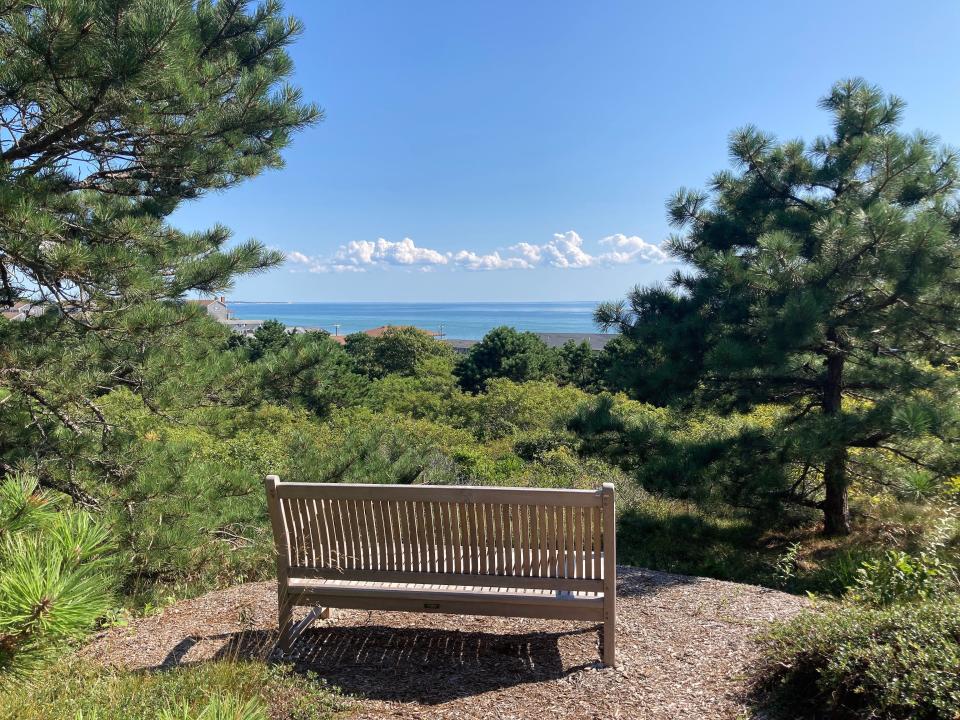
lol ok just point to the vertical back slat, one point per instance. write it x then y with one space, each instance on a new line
597 574
558 565
373 535
363 550
291 532
386 538
448 564
323 549
460 537
569 548
496 541
476 537
439 538
361 537
314 531
344 511
336 533
551 538
423 563
434 527
525 541
393 514
578 540
379 534
410 530
356 525
302 540
465 533
517 545
542 566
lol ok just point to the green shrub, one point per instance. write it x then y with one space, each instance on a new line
217 690
897 576
895 663
219 707
53 577
534 445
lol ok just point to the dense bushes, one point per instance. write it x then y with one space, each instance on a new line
900 662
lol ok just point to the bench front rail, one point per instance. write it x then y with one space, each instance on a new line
516 552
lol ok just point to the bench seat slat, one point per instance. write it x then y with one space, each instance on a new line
446 579
426 592
466 604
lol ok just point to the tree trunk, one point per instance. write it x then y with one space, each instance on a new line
836 511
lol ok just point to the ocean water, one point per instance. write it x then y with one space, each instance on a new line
468 321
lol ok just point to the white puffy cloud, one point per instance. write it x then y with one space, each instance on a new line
491 261
627 249
566 250
364 253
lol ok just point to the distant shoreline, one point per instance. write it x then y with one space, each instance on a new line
466 321
415 302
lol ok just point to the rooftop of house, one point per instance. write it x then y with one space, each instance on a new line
208 301
378 331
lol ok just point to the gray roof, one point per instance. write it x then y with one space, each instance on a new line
597 341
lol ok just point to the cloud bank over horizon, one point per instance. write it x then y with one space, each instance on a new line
565 251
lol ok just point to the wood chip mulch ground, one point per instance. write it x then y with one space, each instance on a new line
684 646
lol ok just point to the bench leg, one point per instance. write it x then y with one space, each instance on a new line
284 621
609 643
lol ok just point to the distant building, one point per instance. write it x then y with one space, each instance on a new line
18 312
218 310
217 307
242 327
23 309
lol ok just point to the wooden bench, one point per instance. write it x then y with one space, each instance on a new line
513 552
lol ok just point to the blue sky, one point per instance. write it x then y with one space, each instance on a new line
524 150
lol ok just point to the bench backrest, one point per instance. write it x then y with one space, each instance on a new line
440 534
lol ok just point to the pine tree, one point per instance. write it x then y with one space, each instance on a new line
824 277
113 114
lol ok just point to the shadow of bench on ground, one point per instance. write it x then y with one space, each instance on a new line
426 666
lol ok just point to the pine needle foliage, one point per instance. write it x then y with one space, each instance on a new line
112 114
53 575
823 276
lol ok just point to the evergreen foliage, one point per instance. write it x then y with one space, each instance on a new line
53 577
114 113
397 351
577 365
824 277
505 353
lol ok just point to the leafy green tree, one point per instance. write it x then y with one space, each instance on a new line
53 575
307 369
505 353
397 351
270 337
577 364
822 276
113 114
508 407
